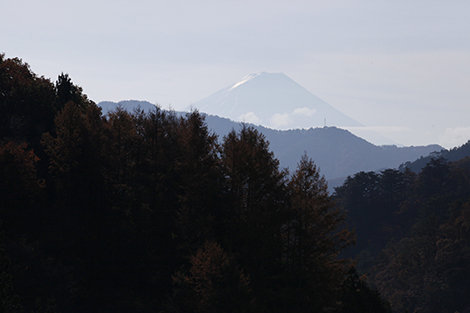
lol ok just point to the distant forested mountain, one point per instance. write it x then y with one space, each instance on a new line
337 152
454 154
128 105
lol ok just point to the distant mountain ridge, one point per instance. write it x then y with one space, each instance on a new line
129 105
336 151
452 155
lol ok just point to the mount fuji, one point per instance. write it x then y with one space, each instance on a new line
275 101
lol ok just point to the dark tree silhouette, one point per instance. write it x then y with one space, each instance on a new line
314 236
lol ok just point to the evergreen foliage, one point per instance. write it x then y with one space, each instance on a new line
9 302
313 237
358 297
214 283
412 234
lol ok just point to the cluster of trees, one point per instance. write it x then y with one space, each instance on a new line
413 233
454 154
150 212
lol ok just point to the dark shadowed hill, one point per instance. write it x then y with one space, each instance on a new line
336 151
451 155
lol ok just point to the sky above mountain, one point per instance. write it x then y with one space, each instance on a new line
401 68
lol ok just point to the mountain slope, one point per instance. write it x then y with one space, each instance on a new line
336 151
272 100
453 155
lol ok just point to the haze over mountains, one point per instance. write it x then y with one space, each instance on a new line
336 151
295 122
276 101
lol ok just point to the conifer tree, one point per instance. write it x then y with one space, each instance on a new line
314 236
75 156
201 177
27 103
256 209
358 297
121 148
214 283
19 187
67 91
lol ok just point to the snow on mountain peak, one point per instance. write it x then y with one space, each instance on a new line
244 80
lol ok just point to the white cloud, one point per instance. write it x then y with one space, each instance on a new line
250 117
454 137
304 111
388 129
280 120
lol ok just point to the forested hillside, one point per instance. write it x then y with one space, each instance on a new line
413 235
454 154
151 212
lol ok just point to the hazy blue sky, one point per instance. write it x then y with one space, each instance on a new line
402 67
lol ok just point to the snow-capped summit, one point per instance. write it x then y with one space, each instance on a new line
244 80
273 100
